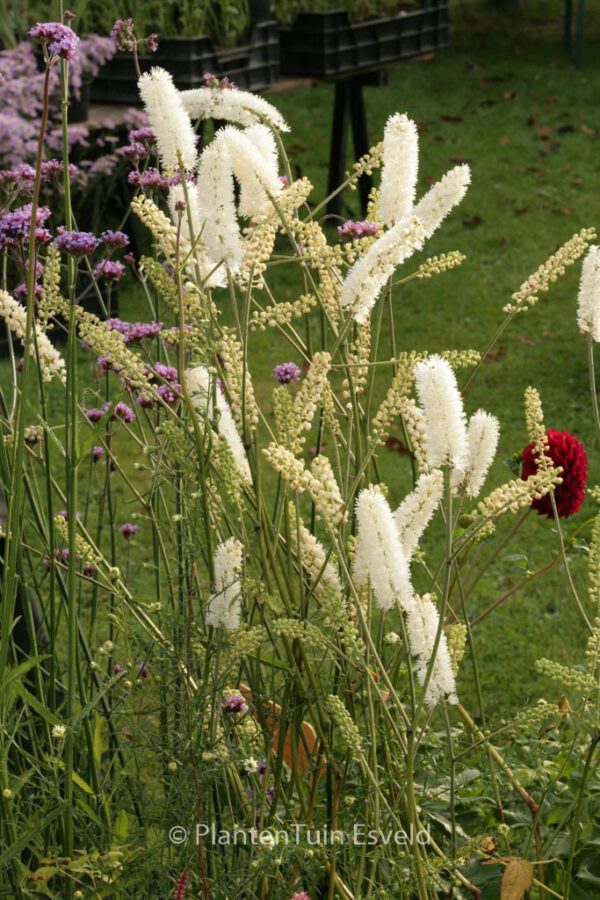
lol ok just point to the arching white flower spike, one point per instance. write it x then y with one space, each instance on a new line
445 421
422 625
588 299
224 605
232 106
367 277
416 510
201 388
379 556
483 432
441 199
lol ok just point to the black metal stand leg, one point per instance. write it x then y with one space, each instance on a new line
360 137
579 33
339 139
567 28
349 101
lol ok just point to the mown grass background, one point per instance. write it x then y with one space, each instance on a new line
506 99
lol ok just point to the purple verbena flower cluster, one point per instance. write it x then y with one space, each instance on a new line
354 231
114 240
15 226
60 40
235 703
287 372
213 81
76 243
109 270
128 529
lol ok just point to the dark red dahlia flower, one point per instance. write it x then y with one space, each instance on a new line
566 451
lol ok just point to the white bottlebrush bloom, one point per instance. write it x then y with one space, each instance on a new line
440 199
483 432
588 299
400 169
442 405
216 205
201 388
416 510
175 137
379 557
422 624
231 154
224 605
367 277
260 168
15 317
232 106
210 274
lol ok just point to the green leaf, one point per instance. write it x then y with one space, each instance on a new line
28 837
22 669
121 825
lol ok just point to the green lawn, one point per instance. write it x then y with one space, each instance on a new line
529 124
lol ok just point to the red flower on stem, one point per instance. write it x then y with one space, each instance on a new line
566 451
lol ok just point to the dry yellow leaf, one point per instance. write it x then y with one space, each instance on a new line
517 878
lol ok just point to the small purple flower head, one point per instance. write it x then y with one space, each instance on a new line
128 529
271 796
58 39
96 453
213 81
144 136
139 331
77 243
21 290
124 412
286 372
169 373
134 151
122 34
284 180
152 42
89 569
109 270
68 16
94 414
144 400
301 895
166 393
15 225
104 363
119 669
143 670
235 703
261 767
114 240
354 231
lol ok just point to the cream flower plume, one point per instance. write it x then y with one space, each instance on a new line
201 388
422 625
441 199
416 510
442 405
232 106
224 606
170 122
400 169
379 556
588 299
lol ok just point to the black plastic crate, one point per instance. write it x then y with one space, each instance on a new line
252 66
327 44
